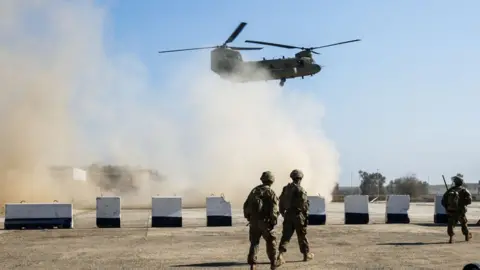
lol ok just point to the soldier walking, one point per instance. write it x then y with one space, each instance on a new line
455 201
261 210
294 209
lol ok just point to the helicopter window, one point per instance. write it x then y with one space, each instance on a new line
301 63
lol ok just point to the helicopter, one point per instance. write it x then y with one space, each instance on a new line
228 63
301 65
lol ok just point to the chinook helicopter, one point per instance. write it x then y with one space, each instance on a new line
301 65
228 63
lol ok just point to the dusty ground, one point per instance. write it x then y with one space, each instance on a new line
336 246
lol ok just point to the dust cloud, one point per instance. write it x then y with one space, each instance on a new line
67 99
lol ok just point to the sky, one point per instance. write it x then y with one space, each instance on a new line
403 100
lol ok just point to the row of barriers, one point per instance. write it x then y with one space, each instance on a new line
167 212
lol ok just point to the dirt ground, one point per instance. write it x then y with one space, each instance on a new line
135 246
335 246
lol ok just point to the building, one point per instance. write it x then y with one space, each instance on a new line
67 173
474 188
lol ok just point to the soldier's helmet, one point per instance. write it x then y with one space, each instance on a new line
296 175
458 179
267 177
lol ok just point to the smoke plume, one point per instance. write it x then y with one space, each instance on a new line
67 100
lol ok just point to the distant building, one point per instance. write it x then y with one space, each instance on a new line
123 179
474 188
67 173
349 190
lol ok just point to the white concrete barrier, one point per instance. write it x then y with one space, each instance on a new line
108 212
316 212
38 216
356 209
397 209
440 215
167 211
219 212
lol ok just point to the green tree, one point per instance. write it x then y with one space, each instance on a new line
408 185
336 190
372 183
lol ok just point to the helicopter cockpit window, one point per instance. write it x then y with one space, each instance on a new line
301 63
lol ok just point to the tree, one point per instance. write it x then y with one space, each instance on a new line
372 183
336 190
408 185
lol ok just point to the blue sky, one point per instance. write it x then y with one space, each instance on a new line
403 100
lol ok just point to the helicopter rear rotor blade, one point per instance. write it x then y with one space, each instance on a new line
235 33
335 44
273 44
190 49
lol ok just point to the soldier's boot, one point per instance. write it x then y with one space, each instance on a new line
280 260
468 236
450 240
307 256
273 265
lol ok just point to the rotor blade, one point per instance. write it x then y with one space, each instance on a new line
235 33
190 49
272 44
245 48
315 52
335 44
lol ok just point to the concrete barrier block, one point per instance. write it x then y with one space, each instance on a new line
38 216
439 215
397 209
167 211
219 212
108 212
316 212
356 209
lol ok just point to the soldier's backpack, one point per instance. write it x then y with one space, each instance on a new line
287 198
453 200
257 202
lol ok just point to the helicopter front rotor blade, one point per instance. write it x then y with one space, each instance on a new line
335 44
190 49
273 44
245 48
235 33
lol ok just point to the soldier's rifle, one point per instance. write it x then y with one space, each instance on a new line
445 182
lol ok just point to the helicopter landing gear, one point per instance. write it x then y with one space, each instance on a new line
282 82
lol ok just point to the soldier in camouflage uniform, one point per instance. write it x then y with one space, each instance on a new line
261 210
456 211
294 209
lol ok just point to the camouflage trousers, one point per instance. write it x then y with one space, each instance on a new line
257 231
293 224
453 219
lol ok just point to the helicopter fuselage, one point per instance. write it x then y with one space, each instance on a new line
286 68
229 65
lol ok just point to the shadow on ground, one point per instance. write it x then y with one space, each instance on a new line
443 225
214 264
411 243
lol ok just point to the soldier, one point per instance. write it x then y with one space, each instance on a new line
261 211
455 201
294 209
